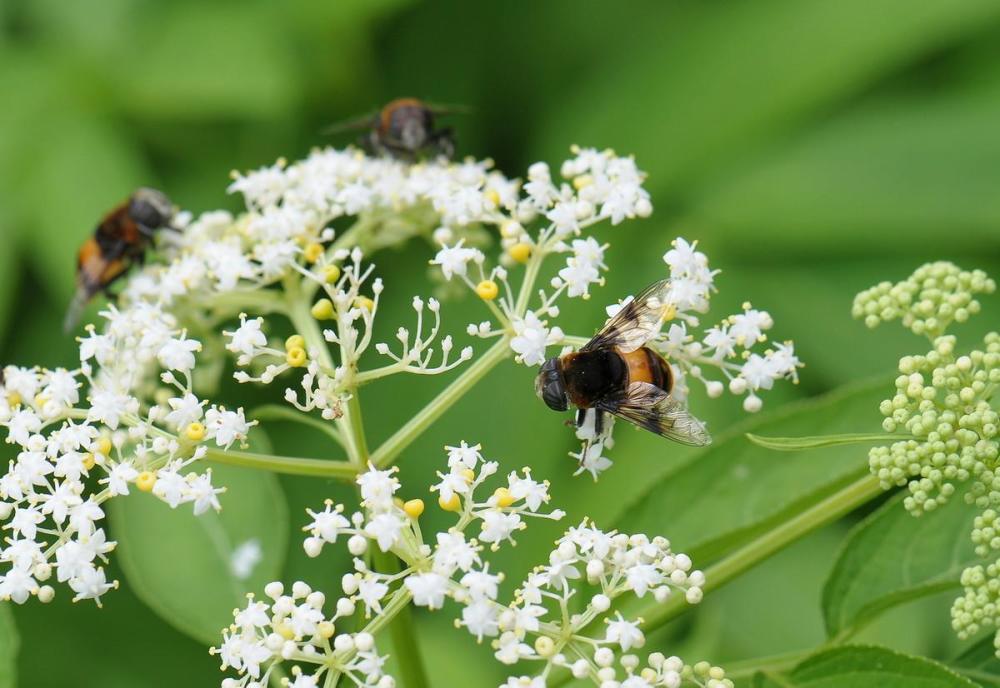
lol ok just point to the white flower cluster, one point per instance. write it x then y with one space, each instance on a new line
536 626
729 347
293 628
112 431
599 186
607 565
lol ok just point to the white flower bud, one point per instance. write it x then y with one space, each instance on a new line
274 589
313 546
364 642
603 656
343 643
345 607
357 545
600 602
349 583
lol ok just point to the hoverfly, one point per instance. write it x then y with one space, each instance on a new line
616 373
120 240
404 129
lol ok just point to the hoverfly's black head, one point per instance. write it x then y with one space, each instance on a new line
150 208
549 385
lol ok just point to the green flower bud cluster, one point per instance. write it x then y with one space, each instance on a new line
928 301
978 607
943 402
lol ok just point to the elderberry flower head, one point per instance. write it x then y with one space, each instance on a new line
451 568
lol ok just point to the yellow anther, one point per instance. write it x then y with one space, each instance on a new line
145 481
331 273
493 197
453 504
468 474
14 399
669 312
195 432
520 252
487 290
325 629
504 497
313 252
296 357
414 508
104 446
364 302
582 181
88 461
284 630
322 309
41 400
296 341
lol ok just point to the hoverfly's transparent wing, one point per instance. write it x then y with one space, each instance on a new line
637 322
448 108
354 124
650 408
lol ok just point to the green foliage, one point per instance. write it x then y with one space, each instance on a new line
181 566
813 148
726 495
865 667
980 663
892 557
9 642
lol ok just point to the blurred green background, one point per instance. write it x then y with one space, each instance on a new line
813 148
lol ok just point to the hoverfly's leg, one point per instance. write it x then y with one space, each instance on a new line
147 232
598 423
581 417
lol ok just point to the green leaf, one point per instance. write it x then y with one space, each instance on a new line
9 644
729 76
892 557
932 184
980 663
205 60
724 496
819 441
860 666
181 565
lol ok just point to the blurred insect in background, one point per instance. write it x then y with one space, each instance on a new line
120 240
616 373
403 129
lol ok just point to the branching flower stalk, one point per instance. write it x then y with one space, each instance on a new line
286 292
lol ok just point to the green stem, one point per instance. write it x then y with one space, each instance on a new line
276 412
403 631
390 450
528 285
819 514
283 464
357 444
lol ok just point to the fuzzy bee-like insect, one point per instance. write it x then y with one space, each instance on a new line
120 240
403 129
616 373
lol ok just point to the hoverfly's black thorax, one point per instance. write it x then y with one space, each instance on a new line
593 375
549 385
